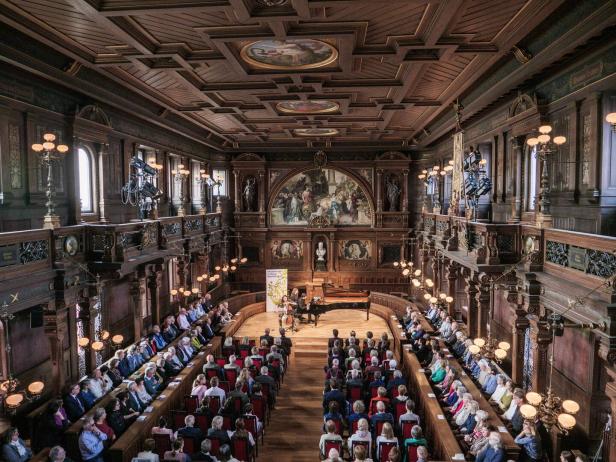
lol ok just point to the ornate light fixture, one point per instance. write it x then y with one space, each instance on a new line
50 154
9 389
179 175
549 408
611 119
490 348
430 179
545 145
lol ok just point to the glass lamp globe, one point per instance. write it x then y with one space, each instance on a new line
533 398
528 411
36 388
427 296
474 349
566 421
433 300
545 129
532 142
117 339
479 342
500 353
504 346
570 406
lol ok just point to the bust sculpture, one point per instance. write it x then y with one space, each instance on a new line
320 252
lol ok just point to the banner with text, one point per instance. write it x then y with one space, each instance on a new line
276 281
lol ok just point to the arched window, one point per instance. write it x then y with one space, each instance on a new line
86 189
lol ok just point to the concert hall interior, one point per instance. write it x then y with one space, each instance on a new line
303 230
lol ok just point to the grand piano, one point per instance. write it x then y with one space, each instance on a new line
337 298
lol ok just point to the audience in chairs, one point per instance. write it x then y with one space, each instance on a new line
331 435
177 451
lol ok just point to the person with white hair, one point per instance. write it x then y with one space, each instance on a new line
333 456
232 364
182 319
494 451
500 389
216 431
189 429
174 357
362 435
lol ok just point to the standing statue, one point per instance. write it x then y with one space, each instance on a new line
393 193
321 262
249 194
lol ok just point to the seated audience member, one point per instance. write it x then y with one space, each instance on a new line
114 373
182 319
204 454
396 380
215 390
267 337
422 454
146 351
216 431
161 428
199 387
386 436
148 454
361 435
142 391
439 374
460 417
241 432
73 405
232 364
378 380
513 414
123 364
416 439
135 360
381 395
265 378
334 395
14 448
210 363
173 365
500 388
195 341
100 420
360 454
333 413
490 383
334 372
115 419
58 454
381 416
236 394
494 451
507 397
394 455
225 454
91 442
469 424
359 412
249 413
86 397
409 415
189 429
184 351
98 386
480 441
52 425
177 452
157 339
126 407
530 442
151 381
331 435
134 402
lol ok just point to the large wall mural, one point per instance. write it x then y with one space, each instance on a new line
321 196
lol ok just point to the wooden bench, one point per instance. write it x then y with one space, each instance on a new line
41 456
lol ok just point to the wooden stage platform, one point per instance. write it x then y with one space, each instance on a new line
343 320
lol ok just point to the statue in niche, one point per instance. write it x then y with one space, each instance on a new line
321 261
393 193
249 194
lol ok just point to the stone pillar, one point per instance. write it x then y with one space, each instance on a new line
56 329
483 305
261 182
137 297
236 191
471 291
154 281
379 193
405 190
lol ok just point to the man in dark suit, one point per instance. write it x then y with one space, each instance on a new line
267 337
381 416
335 395
237 394
332 340
86 397
190 430
285 342
133 398
73 405
204 455
395 381
208 332
123 365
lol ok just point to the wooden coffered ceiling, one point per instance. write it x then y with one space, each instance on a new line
400 63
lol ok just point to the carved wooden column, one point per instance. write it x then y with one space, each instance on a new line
236 191
452 274
471 291
540 339
56 329
520 324
610 391
517 148
483 305
261 175
405 190
137 296
181 264
154 281
379 193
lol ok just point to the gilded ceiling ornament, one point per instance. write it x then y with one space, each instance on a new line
269 3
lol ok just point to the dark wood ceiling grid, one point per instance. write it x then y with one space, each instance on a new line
400 65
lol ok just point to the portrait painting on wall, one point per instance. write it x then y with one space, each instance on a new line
355 249
325 194
287 249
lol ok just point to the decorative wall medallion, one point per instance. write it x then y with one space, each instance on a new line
317 106
292 54
355 249
71 245
287 249
316 131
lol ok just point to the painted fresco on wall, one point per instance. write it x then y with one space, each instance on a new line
355 249
321 195
287 249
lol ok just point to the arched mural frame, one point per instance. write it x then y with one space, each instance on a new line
306 168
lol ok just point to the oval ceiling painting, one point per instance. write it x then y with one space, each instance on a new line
316 106
316 131
292 54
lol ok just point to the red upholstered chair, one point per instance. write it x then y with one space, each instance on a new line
202 422
221 361
354 393
239 362
263 352
240 448
331 444
374 391
354 426
257 363
230 375
225 386
227 422
384 449
251 427
190 445
209 373
244 354
394 392
338 424
214 404
399 409
215 446
163 444
411 454
259 407
379 427
407 425
177 418
191 403
356 443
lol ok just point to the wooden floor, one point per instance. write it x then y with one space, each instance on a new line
295 427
